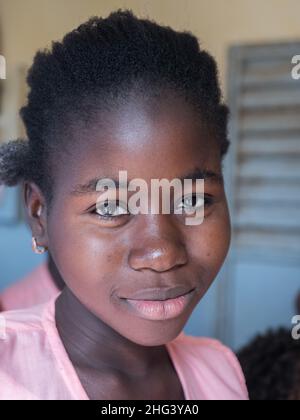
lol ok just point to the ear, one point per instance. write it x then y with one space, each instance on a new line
36 212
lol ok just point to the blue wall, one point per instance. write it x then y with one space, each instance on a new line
16 256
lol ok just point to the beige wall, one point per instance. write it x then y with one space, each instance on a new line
28 25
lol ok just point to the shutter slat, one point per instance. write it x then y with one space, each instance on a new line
270 146
265 121
271 98
278 241
264 81
273 168
267 192
269 216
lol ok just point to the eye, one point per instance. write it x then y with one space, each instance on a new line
110 209
190 203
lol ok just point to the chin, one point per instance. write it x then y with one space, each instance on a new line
157 335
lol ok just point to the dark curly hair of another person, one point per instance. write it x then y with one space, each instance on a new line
271 364
92 68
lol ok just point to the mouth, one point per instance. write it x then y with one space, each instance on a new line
159 304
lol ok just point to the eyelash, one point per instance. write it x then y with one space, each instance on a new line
208 201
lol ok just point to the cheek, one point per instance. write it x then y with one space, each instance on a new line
84 258
209 244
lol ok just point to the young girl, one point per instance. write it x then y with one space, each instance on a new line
120 93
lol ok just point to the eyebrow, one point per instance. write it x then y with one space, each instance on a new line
198 173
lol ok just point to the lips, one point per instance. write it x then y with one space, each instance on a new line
159 293
153 306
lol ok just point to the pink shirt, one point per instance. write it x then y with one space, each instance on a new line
34 364
38 287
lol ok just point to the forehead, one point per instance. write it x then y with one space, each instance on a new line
148 138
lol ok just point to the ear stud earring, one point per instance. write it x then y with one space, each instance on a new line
37 249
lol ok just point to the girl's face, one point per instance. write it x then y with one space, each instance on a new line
104 262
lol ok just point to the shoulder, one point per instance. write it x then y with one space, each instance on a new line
23 333
213 352
37 287
211 364
16 324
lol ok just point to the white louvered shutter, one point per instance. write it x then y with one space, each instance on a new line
265 131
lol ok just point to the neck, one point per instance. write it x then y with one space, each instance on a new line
58 281
93 344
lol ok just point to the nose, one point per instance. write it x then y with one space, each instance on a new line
159 248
